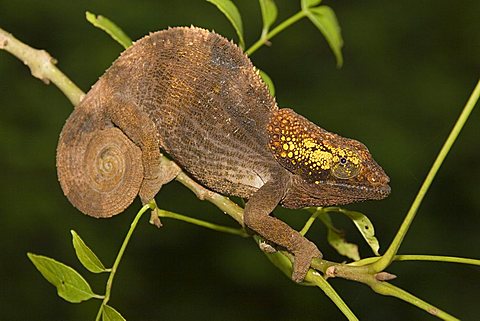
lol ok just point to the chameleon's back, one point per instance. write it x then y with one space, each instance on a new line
208 102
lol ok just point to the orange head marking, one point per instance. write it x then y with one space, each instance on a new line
324 160
306 149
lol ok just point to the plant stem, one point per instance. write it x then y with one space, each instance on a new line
108 287
362 274
387 258
437 258
260 42
212 226
283 261
385 288
330 292
224 203
41 64
419 257
310 221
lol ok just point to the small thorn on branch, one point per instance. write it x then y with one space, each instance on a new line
385 276
331 272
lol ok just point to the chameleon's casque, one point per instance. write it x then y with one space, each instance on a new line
194 95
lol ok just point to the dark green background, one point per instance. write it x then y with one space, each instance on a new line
409 68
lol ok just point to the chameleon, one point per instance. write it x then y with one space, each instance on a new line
195 96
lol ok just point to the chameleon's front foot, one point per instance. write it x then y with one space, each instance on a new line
303 258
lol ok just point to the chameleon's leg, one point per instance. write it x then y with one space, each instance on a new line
169 171
138 126
257 217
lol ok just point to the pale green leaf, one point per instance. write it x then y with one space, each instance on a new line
86 256
109 27
70 285
363 224
269 14
336 239
325 20
230 11
110 314
268 81
310 3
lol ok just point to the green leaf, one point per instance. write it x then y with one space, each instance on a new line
269 14
70 285
363 224
310 3
230 11
109 27
110 314
268 81
325 20
86 256
337 240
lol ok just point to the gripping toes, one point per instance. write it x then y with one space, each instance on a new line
303 259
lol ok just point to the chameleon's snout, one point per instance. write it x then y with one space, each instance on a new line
384 190
378 181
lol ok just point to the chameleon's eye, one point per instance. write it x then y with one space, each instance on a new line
346 167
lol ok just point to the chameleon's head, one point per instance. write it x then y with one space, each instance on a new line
327 169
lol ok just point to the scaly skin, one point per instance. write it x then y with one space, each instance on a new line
194 95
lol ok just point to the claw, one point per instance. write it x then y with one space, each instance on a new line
302 261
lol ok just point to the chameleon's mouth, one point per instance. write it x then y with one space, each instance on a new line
381 191
345 193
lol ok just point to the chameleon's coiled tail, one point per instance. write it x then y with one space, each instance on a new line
100 169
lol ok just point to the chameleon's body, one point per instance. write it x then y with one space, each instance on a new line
197 97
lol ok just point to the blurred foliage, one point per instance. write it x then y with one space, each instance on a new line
409 67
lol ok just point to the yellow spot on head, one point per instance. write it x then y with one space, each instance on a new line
309 143
322 159
285 146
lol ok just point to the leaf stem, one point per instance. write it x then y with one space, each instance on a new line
319 281
283 261
387 258
420 257
212 226
437 258
362 274
310 221
108 287
385 288
263 39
